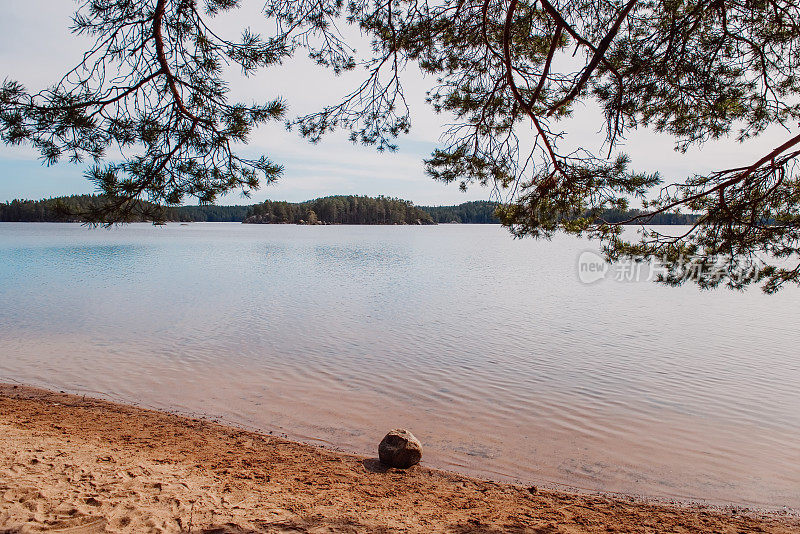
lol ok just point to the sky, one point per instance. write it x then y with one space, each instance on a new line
36 48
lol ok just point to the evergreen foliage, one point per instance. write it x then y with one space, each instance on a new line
485 212
508 71
151 89
328 210
69 209
208 213
477 212
340 210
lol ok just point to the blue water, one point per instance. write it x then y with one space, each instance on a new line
491 350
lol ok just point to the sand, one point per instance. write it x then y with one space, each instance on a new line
74 464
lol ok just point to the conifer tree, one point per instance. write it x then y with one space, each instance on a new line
509 71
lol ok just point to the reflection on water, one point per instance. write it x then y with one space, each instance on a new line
489 349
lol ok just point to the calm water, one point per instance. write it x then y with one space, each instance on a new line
490 350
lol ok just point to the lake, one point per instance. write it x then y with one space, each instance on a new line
490 350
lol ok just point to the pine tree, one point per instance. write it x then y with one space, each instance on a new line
509 71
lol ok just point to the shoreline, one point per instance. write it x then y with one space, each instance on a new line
87 465
431 460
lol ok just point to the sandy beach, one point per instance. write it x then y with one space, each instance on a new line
76 464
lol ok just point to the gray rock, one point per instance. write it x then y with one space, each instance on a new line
399 448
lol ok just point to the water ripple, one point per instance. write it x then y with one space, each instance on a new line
488 348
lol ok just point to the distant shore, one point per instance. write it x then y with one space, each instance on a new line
76 464
337 209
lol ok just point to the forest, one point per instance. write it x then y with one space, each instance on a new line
338 209
68 209
327 210
476 212
483 212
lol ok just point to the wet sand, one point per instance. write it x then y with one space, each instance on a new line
76 464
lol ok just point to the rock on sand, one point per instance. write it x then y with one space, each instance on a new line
399 448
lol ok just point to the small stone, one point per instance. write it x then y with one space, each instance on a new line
399 448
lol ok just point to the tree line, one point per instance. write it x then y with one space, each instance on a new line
339 209
149 103
68 208
477 212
